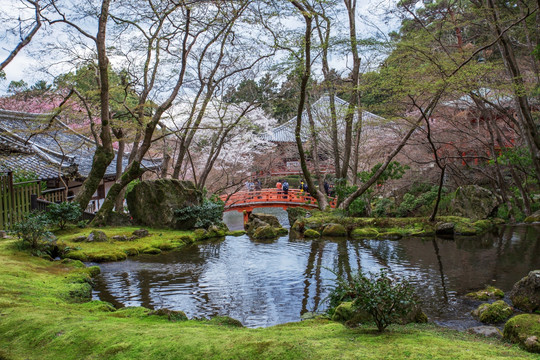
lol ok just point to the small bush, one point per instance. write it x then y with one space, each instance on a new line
203 216
63 213
386 299
33 233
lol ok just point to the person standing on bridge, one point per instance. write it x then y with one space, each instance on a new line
326 188
279 186
301 186
285 188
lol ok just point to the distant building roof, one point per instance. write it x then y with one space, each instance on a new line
46 146
320 109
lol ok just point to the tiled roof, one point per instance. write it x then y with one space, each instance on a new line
37 143
321 116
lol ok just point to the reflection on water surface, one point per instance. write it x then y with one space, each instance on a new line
273 282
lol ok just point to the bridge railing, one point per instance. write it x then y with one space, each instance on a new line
277 196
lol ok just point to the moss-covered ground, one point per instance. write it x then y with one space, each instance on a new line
113 250
392 227
43 316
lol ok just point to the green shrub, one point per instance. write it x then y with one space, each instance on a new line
386 299
203 216
64 212
33 233
383 207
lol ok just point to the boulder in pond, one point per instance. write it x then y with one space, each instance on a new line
267 218
334 230
490 292
445 229
265 232
524 330
153 202
474 202
525 294
494 313
311 234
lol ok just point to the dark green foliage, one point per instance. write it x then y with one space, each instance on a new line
383 207
63 213
419 200
203 216
385 298
33 233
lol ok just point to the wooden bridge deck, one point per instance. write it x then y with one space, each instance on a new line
248 200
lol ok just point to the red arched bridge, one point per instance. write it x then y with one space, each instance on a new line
246 201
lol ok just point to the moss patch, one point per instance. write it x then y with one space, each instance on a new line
158 240
311 234
493 313
490 292
524 330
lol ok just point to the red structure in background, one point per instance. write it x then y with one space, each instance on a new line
246 201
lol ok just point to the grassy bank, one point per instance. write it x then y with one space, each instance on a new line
43 315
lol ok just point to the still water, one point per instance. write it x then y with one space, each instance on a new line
264 283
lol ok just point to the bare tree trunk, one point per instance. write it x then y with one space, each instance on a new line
119 205
307 12
355 76
323 201
522 103
104 152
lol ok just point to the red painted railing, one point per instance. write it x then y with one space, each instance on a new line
248 200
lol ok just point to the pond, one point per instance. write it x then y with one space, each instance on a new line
264 283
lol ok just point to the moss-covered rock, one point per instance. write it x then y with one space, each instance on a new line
364 233
311 234
165 246
172 315
525 294
334 230
524 330
131 312
266 218
153 202
490 292
264 232
236 233
493 313
346 314
282 231
225 321
97 236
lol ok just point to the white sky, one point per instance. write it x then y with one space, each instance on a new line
31 59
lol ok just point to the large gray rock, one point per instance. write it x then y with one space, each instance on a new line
152 203
474 202
525 294
487 331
